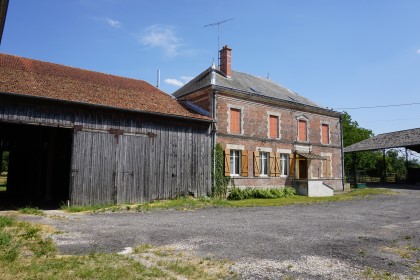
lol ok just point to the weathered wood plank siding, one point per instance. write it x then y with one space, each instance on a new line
120 156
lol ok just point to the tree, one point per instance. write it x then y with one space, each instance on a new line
353 133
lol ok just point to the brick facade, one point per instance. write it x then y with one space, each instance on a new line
255 137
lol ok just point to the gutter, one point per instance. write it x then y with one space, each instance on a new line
342 151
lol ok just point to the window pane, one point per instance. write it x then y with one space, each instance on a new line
234 162
264 163
284 164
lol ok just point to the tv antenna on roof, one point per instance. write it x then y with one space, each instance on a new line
218 37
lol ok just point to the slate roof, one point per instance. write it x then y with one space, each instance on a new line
405 138
36 78
245 83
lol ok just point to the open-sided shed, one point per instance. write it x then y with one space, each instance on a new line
87 138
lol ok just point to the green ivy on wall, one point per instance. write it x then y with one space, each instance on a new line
220 182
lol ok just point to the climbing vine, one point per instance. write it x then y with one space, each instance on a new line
220 182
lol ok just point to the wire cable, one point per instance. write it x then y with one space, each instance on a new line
379 106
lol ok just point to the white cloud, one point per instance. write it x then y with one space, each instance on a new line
418 51
186 79
174 82
162 36
113 22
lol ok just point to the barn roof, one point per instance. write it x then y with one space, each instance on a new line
405 138
29 77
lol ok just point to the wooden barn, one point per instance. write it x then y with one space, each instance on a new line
88 138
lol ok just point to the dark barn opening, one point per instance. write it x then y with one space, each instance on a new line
38 165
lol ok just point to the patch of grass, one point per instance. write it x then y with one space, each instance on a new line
91 208
370 273
190 203
31 211
240 194
25 253
3 188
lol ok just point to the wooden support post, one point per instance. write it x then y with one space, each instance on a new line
384 166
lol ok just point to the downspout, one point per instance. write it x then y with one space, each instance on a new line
214 117
342 152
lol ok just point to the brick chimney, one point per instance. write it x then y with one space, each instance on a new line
225 61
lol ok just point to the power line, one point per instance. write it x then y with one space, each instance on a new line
392 120
379 106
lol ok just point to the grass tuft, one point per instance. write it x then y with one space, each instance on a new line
31 211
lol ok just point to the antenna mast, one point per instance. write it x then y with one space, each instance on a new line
218 36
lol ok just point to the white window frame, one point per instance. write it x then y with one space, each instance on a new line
264 164
284 164
235 154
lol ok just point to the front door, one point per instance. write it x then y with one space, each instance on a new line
303 169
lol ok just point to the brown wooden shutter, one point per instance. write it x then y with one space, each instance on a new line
244 172
256 164
302 130
292 165
329 175
272 164
227 162
326 168
325 134
235 121
278 167
274 126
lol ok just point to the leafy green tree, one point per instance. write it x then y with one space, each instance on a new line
353 133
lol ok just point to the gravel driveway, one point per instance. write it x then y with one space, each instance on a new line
338 240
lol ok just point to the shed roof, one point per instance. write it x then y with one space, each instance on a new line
405 138
29 77
246 84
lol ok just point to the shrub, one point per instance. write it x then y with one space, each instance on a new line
240 194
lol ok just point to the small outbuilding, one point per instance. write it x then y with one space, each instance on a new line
86 138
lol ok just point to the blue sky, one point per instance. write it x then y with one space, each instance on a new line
340 54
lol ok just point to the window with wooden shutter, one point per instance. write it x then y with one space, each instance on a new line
244 163
303 130
235 121
227 162
274 126
256 164
325 134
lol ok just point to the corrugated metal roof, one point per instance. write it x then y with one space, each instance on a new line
405 138
31 77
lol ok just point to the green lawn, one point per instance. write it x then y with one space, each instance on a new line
188 203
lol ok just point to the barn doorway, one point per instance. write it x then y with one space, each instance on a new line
37 168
